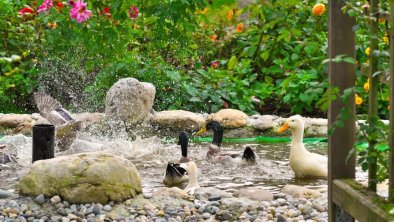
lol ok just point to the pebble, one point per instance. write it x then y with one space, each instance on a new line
40 199
107 208
5 194
55 199
206 216
214 198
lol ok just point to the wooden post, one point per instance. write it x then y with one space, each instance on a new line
391 129
341 40
373 92
43 142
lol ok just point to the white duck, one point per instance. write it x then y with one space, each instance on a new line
303 162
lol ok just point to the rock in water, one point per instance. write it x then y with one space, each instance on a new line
83 178
230 118
178 119
130 100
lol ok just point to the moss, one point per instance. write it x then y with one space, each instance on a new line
379 201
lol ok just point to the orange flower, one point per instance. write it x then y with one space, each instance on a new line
358 100
240 27
204 11
388 107
382 20
214 37
318 9
230 15
52 25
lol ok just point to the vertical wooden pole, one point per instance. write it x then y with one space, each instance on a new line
373 92
341 40
391 129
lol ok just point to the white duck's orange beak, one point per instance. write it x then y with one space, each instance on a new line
283 128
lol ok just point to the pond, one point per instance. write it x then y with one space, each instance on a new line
150 155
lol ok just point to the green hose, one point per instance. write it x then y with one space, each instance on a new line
260 139
263 139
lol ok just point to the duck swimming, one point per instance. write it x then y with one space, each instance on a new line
215 152
303 162
175 174
54 113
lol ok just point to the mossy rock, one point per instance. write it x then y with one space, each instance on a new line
83 178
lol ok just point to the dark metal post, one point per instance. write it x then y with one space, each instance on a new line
341 41
43 141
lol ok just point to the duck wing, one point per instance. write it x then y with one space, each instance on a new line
174 174
51 109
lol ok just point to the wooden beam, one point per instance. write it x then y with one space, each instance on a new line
341 40
373 92
362 204
391 128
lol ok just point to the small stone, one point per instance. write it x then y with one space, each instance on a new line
5 194
40 199
269 217
24 207
55 199
160 213
319 207
65 219
197 205
147 195
292 213
214 198
96 209
107 208
13 203
206 216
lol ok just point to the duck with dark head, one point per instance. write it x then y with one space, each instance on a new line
175 174
216 154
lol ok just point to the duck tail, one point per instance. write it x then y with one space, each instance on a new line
45 103
249 155
175 170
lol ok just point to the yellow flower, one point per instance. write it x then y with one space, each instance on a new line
204 11
385 39
213 37
240 27
358 100
367 51
318 9
230 14
366 86
136 27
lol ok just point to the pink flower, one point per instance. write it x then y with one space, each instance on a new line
26 11
45 6
79 11
215 64
133 12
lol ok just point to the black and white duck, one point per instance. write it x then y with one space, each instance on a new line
216 154
175 173
54 113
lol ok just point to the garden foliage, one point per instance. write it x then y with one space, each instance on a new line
201 55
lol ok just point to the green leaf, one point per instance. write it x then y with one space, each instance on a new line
233 62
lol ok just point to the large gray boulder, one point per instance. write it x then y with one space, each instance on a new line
83 178
130 100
